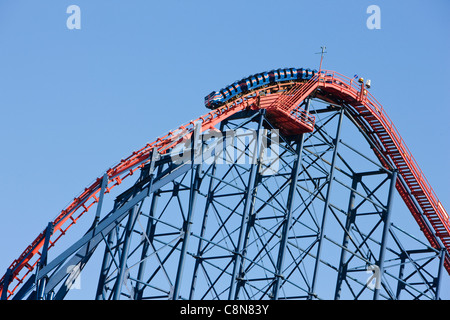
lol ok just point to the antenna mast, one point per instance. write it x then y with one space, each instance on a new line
321 57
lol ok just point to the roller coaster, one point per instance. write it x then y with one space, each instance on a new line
311 227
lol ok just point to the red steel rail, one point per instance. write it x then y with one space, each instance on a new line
286 103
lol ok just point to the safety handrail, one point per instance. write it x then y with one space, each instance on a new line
287 102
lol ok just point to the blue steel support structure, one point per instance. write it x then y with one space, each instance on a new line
386 229
235 230
246 222
41 283
196 146
330 179
288 219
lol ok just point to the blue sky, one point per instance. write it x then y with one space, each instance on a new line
74 102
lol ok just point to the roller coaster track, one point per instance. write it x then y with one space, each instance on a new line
282 102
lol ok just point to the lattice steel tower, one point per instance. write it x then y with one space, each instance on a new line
286 191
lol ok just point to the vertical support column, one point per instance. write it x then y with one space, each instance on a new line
326 205
98 211
107 255
40 286
132 217
150 232
202 233
6 281
124 254
400 284
209 200
250 224
100 200
438 279
290 204
351 215
386 230
288 217
150 229
105 263
238 254
195 185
